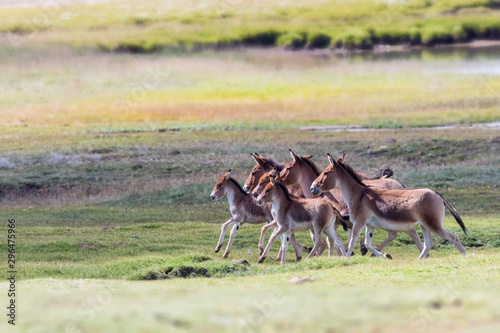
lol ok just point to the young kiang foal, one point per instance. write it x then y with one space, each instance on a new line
263 181
265 165
298 214
302 170
392 210
244 209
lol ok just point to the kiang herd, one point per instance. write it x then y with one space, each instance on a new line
298 197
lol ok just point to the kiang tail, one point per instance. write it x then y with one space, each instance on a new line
455 214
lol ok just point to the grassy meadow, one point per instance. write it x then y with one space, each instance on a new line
145 27
129 235
117 119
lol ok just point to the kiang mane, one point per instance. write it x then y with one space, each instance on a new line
312 165
273 164
285 190
238 185
352 173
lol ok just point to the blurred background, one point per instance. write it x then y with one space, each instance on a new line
118 117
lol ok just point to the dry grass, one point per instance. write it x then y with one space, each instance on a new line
247 89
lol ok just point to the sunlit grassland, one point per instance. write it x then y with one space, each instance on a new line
60 89
264 304
134 250
138 26
350 294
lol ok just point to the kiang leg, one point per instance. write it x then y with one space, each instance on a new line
235 229
296 246
277 233
356 232
224 226
391 235
368 243
263 232
330 231
427 242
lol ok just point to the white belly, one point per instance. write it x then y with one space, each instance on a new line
377 222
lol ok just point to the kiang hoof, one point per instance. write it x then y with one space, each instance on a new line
299 259
261 260
225 255
364 251
388 256
216 250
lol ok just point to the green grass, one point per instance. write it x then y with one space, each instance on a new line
136 27
201 290
242 304
148 251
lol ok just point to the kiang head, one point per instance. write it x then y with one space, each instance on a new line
258 170
291 172
263 181
327 180
267 194
220 187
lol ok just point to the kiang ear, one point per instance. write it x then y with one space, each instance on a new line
226 176
331 159
260 160
273 182
255 158
294 156
275 173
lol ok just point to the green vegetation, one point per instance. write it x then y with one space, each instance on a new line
155 251
138 27
111 209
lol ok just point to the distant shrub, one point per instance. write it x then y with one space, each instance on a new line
492 31
415 37
472 30
431 37
139 21
318 40
292 40
459 34
137 47
357 40
263 38
21 29
390 37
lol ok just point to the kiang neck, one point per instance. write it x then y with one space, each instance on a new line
279 201
347 185
305 182
233 194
